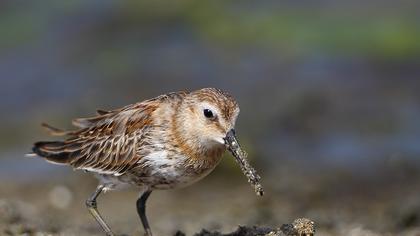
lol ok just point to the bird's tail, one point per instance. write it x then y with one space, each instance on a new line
54 152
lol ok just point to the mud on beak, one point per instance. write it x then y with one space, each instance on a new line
233 146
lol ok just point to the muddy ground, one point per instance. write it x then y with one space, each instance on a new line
340 203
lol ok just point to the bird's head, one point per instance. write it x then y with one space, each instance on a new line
207 116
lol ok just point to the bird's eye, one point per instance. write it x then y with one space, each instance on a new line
208 113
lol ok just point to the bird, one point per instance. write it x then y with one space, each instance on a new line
167 142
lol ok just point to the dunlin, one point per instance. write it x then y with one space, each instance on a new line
166 142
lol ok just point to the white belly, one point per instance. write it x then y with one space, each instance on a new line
158 170
172 171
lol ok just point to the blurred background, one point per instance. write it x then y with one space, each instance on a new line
329 96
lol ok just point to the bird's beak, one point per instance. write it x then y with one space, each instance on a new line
230 139
233 146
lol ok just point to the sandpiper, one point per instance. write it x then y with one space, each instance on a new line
166 142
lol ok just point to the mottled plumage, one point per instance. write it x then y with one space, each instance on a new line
166 142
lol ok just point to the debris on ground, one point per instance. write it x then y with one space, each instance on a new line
299 227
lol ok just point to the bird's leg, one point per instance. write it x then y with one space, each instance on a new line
141 210
92 207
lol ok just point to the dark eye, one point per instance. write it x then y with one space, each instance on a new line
208 113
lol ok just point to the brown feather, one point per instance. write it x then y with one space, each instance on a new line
104 142
102 112
55 131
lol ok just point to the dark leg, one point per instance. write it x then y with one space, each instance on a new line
141 209
92 207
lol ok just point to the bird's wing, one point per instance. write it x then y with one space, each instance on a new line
106 143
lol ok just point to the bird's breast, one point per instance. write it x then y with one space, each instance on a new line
163 169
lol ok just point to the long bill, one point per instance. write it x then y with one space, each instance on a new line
233 146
